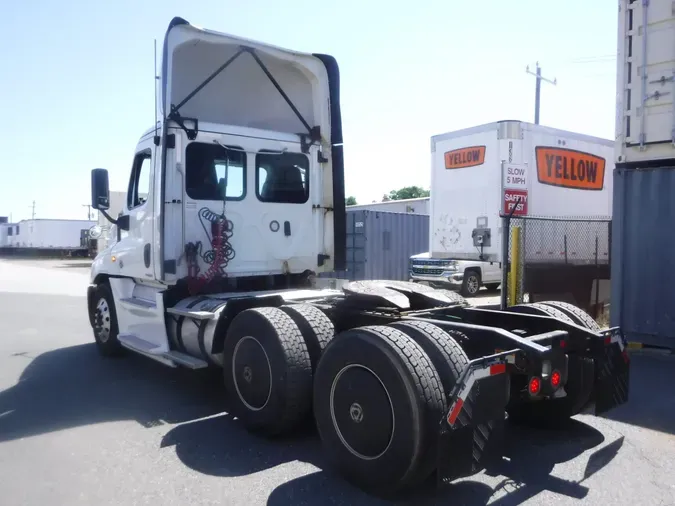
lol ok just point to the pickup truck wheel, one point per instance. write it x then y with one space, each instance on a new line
104 317
316 328
579 316
471 283
555 413
267 371
378 401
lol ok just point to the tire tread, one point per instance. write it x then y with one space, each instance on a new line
582 317
316 328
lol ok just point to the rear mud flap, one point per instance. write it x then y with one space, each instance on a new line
471 437
612 373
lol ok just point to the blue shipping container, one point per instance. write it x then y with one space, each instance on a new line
643 255
380 244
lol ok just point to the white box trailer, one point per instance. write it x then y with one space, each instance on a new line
645 116
481 173
50 234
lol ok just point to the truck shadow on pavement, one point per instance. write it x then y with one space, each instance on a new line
74 386
220 446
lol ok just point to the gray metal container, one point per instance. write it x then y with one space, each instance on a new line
643 255
380 244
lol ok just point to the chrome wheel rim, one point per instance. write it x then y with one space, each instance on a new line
103 323
472 284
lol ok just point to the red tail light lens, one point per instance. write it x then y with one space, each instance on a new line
555 379
534 386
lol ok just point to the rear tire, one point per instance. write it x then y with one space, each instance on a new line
316 328
104 317
578 315
377 404
539 308
454 296
445 353
267 371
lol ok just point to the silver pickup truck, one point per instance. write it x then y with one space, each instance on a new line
465 276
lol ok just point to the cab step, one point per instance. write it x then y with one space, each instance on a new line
135 343
171 358
140 303
195 315
186 360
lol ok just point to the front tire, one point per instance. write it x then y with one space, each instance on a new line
104 318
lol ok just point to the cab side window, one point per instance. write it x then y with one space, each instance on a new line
139 183
214 172
282 178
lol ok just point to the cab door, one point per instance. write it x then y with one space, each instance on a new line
134 251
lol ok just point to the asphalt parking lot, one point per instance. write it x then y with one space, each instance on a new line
77 429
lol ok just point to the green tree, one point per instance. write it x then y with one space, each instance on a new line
408 192
350 201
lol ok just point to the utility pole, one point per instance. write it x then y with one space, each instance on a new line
537 93
88 206
33 212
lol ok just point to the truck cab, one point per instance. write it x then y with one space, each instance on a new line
239 174
465 276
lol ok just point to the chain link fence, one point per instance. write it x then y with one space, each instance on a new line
562 257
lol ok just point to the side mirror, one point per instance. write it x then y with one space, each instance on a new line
100 192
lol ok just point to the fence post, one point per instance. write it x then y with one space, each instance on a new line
597 280
515 261
506 225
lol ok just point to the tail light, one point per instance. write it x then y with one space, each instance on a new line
555 379
535 385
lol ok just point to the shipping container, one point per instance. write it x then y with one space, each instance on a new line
643 263
379 245
479 173
417 206
645 117
49 234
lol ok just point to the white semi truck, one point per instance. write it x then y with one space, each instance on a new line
557 178
214 268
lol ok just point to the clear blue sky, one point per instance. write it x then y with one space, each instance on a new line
77 80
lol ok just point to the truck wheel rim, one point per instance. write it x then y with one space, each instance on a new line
472 284
103 320
252 373
363 416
